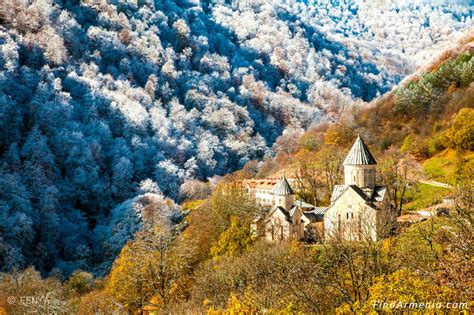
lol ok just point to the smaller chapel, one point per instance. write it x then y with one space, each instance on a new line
282 218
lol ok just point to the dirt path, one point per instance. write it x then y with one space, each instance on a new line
435 183
419 174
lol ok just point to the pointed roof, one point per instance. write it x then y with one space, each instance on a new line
282 188
359 154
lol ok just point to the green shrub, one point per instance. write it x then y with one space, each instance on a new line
461 132
416 146
437 144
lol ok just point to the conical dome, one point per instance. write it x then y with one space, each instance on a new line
282 188
359 154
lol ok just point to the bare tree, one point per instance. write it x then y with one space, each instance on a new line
288 143
167 269
463 194
308 177
331 164
397 172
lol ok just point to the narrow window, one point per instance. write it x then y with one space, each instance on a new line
339 222
360 229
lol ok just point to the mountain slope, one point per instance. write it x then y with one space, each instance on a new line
97 97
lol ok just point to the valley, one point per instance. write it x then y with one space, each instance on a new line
183 156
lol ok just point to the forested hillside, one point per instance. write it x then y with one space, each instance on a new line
421 131
107 107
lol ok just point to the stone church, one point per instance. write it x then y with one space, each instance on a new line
359 209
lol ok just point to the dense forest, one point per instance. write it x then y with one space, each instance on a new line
208 262
112 113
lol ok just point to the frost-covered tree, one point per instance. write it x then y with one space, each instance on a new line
194 189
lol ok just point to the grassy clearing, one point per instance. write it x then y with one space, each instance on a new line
442 167
193 204
423 196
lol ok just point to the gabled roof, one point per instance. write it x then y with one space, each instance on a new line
282 210
300 203
366 195
293 210
337 191
370 195
303 206
315 215
379 193
359 154
317 210
282 188
261 214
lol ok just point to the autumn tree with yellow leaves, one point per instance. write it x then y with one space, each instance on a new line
148 272
402 286
236 239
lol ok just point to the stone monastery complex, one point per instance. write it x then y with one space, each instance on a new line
358 209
